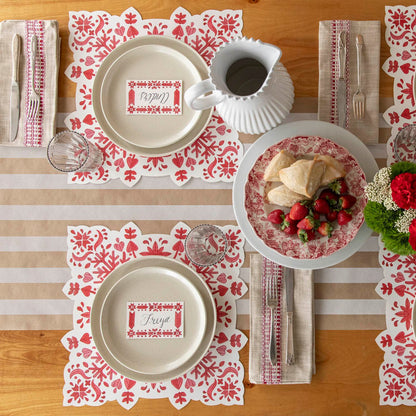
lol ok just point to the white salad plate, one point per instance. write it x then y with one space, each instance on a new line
152 279
148 58
322 129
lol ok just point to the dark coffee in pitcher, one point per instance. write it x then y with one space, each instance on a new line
245 76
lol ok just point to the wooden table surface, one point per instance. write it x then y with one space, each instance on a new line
347 361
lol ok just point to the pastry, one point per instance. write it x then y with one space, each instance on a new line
334 169
284 197
304 176
282 160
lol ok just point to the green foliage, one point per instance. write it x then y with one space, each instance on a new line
397 243
401 167
378 218
381 220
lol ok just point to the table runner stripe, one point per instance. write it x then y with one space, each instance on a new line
33 249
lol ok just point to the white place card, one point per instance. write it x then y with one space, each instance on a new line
154 97
154 320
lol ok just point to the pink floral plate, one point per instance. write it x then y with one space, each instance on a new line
257 206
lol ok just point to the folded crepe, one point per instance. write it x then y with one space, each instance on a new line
304 176
282 160
283 196
333 170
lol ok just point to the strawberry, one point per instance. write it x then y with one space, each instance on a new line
339 186
344 217
288 225
325 229
315 215
289 220
276 216
330 196
346 201
332 215
321 206
306 235
298 211
289 229
307 223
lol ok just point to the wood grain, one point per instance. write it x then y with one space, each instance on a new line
346 383
32 362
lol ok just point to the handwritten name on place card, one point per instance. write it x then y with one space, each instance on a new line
154 320
154 97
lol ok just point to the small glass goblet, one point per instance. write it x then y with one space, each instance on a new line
404 145
68 151
205 245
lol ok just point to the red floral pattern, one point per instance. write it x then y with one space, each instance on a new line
214 156
398 370
401 38
257 209
93 253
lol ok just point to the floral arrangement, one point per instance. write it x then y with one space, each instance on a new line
391 207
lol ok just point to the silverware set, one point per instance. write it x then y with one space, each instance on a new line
358 98
272 300
34 98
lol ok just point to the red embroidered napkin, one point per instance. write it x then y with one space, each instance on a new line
261 371
36 132
329 30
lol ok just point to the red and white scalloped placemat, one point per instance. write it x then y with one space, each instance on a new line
398 341
93 252
398 287
214 156
401 65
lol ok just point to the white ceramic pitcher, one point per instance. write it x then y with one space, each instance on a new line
250 88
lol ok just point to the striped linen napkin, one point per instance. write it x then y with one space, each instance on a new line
261 371
366 129
37 132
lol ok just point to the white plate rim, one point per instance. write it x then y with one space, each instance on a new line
107 74
118 274
178 46
126 276
299 128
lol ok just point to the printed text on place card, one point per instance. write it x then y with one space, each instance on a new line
154 320
154 97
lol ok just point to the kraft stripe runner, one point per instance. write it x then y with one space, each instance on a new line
31 251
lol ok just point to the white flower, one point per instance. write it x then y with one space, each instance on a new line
378 190
403 222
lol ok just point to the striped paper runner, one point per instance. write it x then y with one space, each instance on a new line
37 205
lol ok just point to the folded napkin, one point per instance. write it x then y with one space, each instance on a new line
261 371
39 131
366 129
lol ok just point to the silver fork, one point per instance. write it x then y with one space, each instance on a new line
358 99
272 302
34 98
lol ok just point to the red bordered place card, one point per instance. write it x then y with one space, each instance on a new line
154 97
154 320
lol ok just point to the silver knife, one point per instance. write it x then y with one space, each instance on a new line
342 88
15 89
289 284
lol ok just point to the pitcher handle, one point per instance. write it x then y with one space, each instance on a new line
194 99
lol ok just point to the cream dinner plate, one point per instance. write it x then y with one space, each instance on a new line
335 133
148 58
152 278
